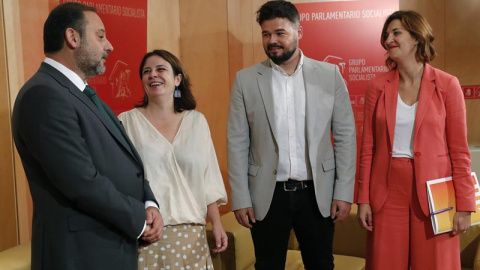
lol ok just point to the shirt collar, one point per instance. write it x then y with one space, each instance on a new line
72 76
279 69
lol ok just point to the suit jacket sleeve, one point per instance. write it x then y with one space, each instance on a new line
345 142
368 146
238 148
456 135
50 129
148 193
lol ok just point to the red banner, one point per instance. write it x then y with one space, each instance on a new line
347 33
126 26
471 91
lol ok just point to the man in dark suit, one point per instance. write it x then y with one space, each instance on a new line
92 204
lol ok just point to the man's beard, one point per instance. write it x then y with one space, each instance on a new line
87 63
280 59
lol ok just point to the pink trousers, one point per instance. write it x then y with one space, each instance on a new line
402 235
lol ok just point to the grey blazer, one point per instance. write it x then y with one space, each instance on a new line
87 185
252 145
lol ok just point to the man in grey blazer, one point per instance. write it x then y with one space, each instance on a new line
91 202
283 170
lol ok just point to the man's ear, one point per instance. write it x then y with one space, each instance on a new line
72 38
300 32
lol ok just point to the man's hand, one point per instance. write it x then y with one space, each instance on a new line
365 217
343 209
245 215
221 239
461 222
154 228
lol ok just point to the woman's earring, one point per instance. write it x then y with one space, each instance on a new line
177 93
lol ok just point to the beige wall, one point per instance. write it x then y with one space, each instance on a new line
462 44
458 43
214 41
204 52
8 222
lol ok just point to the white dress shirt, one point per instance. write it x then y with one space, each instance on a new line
72 76
289 108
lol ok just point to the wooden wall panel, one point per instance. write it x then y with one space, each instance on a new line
204 50
163 26
240 39
32 18
8 217
434 12
463 40
473 123
14 47
463 54
15 33
258 51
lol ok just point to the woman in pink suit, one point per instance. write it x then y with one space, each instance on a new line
414 131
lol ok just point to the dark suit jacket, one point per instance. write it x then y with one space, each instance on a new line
87 185
440 146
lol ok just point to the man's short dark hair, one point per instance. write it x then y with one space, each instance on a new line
278 9
67 15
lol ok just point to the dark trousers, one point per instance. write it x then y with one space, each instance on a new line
298 210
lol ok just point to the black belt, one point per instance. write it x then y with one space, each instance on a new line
294 185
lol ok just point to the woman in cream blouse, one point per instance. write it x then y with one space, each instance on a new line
177 151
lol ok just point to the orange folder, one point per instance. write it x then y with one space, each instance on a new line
441 200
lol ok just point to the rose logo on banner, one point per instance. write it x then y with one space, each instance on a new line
119 80
471 91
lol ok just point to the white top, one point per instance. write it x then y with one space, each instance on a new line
289 107
184 175
405 121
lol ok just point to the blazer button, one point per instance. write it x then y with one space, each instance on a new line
274 172
417 154
139 174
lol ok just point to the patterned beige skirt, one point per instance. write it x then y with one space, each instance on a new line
182 247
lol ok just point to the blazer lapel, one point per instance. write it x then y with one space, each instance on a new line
129 146
65 82
312 99
264 80
427 88
78 93
391 97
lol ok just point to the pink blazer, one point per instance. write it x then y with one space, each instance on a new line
440 146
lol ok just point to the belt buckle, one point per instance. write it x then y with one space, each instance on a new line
287 189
